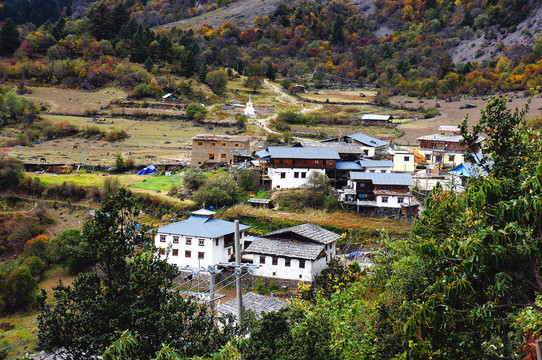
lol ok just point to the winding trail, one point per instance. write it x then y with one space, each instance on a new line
287 99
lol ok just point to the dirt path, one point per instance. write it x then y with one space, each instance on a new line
286 99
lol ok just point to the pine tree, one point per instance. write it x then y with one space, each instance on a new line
271 73
203 72
337 33
9 38
149 64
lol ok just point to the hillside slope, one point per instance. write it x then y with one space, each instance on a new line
241 13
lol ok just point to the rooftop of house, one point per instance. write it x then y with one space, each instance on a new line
214 137
367 140
307 250
384 178
240 152
348 165
255 302
446 138
365 163
201 226
448 128
376 117
341 147
308 231
283 152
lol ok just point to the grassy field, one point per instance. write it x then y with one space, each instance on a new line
149 142
359 97
155 183
73 101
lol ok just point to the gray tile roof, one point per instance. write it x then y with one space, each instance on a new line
283 152
367 140
201 226
255 302
341 147
287 248
384 178
240 152
309 231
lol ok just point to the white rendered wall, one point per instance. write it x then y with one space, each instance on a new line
280 271
378 169
289 180
456 158
393 201
212 254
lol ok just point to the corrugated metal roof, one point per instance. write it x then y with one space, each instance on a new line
376 117
291 249
282 152
367 140
308 231
375 163
348 165
262 153
451 128
342 147
446 138
201 226
384 178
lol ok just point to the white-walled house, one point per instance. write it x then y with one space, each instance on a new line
380 194
198 241
290 167
296 253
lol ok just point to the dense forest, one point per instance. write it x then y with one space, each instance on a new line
314 43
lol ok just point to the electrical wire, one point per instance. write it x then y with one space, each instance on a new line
27 350
22 327
20 342
225 286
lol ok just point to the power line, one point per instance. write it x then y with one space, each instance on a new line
27 350
20 342
242 276
22 327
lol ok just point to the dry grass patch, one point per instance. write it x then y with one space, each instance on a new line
338 219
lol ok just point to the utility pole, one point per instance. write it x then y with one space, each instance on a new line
212 272
238 275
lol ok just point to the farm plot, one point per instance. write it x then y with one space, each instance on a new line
337 96
149 142
71 101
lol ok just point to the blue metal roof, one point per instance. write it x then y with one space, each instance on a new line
348 165
375 163
383 178
367 140
469 170
283 152
262 153
201 226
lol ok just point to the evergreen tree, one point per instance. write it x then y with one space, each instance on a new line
188 64
101 22
203 72
57 31
149 64
9 38
271 73
337 33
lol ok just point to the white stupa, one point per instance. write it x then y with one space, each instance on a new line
249 110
